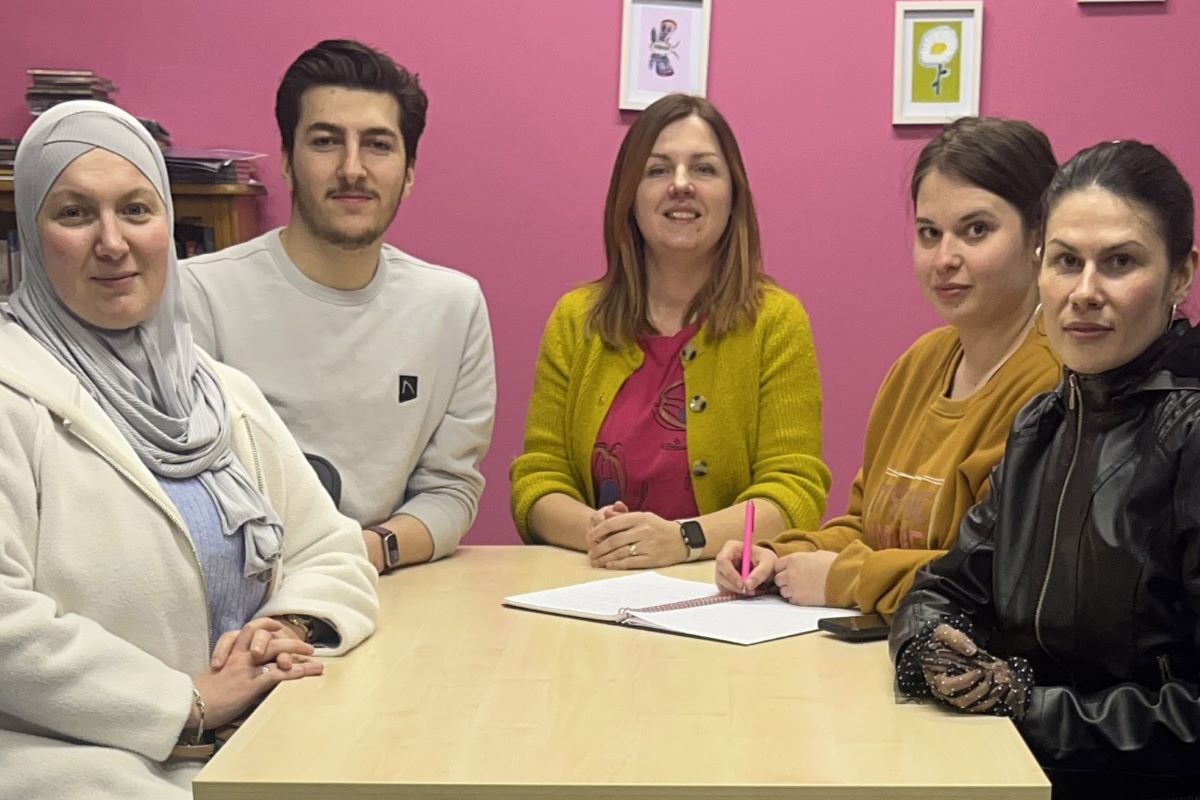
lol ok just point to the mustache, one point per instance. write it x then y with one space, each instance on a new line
345 188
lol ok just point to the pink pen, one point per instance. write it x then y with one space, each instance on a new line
747 533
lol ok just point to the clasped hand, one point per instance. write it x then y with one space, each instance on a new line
963 675
618 538
246 664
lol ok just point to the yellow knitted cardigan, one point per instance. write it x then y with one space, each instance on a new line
756 433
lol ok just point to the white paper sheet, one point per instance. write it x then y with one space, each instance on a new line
604 599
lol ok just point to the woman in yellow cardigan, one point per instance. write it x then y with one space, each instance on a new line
941 418
683 383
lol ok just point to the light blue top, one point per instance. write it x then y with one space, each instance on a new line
232 597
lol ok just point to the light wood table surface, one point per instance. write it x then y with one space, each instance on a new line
456 696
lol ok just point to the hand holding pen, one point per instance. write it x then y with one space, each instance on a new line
742 568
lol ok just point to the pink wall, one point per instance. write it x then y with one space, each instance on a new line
523 128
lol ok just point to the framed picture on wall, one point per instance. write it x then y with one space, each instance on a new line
935 78
664 49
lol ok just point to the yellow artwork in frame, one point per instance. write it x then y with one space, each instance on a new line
937 61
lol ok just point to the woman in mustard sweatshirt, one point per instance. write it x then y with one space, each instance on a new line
683 383
940 419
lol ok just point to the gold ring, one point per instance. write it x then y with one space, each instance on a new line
633 549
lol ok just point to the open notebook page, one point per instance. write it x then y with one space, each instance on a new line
604 599
748 620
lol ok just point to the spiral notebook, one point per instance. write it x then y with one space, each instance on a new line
673 605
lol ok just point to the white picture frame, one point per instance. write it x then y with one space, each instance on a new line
938 61
664 49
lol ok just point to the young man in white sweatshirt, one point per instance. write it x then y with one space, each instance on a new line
380 364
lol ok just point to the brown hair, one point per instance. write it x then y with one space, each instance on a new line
732 296
1007 157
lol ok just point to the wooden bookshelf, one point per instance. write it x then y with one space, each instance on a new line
230 209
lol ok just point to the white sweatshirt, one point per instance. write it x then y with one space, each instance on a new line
394 383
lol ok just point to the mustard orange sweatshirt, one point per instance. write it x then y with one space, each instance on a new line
926 461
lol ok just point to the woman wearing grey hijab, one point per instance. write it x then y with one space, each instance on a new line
166 554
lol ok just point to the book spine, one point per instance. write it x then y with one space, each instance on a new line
5 271
14 261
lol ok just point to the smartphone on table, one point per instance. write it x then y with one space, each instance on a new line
863 628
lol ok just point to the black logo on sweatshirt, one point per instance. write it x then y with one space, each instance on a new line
408 388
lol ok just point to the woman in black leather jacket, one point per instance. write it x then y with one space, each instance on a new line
1071 601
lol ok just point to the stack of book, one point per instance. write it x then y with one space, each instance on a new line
157 131
53 86
194 240
8 154
195 165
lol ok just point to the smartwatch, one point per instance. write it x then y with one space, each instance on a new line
391 547
693 538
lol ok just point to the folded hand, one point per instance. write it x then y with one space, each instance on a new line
963 675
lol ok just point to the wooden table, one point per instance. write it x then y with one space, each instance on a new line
458 697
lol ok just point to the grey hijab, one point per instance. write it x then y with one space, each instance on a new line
148 379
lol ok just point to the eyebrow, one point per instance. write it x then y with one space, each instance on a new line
969 216
707 154
68 194
329 127
1128 243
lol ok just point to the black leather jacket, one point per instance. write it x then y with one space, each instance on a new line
1085 559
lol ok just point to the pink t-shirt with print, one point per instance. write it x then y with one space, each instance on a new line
640 455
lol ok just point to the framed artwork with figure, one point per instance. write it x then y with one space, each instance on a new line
664 49
935 78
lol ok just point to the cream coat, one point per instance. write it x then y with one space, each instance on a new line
103 615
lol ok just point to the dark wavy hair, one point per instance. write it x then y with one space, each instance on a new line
352 65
